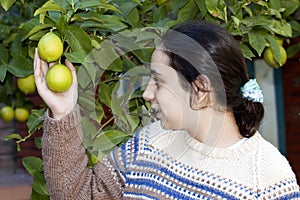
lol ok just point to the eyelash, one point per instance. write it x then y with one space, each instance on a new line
156 80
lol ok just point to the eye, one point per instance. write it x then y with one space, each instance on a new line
156 81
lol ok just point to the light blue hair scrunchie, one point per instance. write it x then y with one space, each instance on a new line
252 91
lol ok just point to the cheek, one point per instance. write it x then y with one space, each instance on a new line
174 107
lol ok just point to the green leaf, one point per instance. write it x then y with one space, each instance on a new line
108 139
61 24
33 165
293 50
3 55
280 27
104 93
36 196
290 7
38 142
202 7
275 48
39 186
3 71
87 74
295 27
96 3
49 6
35 120
4 31
20 66
78 39
37 29
106 57
75 57
13 136
217 8
187 12
257 41
133 18
6 4
246 51
177 4
113 22
127 7
16 47
87 102
275 4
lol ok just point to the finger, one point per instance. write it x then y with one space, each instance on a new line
44 67
37 67
51 64
73 70
70 65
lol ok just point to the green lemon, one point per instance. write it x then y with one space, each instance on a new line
21 114
270 59
50 47
59 78
27 84
7 113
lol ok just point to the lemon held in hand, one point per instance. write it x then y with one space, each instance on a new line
7 113
26 84
59 78
50 47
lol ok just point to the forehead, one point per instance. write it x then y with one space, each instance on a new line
160 64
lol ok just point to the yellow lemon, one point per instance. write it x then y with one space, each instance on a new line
59 78
270 59
7 113
21 114
27 84
50 47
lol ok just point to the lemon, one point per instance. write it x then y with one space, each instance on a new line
27 84
270 59
59 78
50 47
21 114
7 113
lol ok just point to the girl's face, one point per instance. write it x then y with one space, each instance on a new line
166 95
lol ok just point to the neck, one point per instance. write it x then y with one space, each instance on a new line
216 128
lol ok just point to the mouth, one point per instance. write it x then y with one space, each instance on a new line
155 112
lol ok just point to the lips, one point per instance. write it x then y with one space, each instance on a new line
155 112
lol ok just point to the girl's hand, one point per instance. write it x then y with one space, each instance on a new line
60 104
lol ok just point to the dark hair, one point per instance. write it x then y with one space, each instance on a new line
218 56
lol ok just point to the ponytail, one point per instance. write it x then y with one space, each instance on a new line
248 116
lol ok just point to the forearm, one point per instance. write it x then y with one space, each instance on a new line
65 162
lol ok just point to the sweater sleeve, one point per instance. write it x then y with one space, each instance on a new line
65 163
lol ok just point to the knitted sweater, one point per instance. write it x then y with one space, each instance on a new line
160 164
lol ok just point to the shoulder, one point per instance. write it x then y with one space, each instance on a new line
274 166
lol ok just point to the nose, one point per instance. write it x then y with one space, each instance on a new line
149 93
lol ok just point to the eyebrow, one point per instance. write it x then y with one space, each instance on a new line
155 73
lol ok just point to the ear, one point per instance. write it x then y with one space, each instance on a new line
200 95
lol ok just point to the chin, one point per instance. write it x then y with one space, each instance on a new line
167 125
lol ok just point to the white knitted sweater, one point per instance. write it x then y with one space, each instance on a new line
160 164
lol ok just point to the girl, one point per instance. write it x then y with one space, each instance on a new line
205 145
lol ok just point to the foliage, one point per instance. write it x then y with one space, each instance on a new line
109 41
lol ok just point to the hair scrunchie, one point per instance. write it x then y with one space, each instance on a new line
252 91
